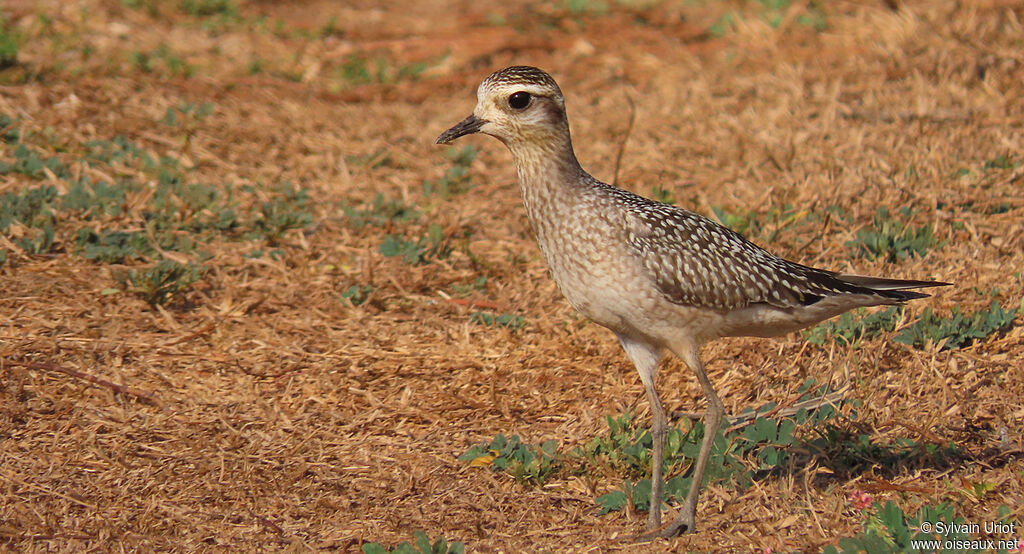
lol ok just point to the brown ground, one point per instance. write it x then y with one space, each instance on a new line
262 411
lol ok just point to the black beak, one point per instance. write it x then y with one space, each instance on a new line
467 126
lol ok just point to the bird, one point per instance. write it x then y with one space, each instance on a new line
661 278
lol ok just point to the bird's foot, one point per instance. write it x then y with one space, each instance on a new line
684 522
653 519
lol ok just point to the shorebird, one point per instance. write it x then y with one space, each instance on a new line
659 277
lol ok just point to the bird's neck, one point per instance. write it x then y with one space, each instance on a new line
551 181
547 169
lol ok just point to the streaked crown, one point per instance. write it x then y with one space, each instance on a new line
523 75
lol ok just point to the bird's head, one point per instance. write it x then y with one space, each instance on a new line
518 105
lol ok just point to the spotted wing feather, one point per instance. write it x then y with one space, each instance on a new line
697 262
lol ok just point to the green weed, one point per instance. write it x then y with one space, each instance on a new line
892 239
421 545
207 8
851 327
28 162
478 284
768 225
383 211
850 453
626 450
285 212
9 131
527 463
774 12
160 283
373 160
136 218
959 329
428 247
357 69
188 114
509 321
10 43
586 7
1002 161
662 195
357 294
629 446
932 529
162 57
456 179
32 208
112 246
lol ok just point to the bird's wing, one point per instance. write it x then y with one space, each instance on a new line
697 262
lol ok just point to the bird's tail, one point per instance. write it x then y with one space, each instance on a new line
897 289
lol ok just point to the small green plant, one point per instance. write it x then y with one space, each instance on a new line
774 12
478 284
890 238
932 529
94 200
149 5
357 294
286 211
206 8
662 195
162 56
358 69
456 179
959 329
34 210
741 223
768 225
724 24
9 131
160 283
431 246
527 463
853 327
383 211
850 452
509 321
112 246
1002 161
28 162
812 15
626 450
187 114
586 7
32 207
9 44
421 545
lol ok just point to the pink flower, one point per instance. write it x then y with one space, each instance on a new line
859 499
1020 546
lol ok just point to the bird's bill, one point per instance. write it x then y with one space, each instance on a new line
468 126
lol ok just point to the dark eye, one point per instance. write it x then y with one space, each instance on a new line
519 100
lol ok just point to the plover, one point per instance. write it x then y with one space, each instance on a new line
659 277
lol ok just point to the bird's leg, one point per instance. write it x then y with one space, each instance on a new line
646 357
658 431
686 520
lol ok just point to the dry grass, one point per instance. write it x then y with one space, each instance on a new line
262 411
